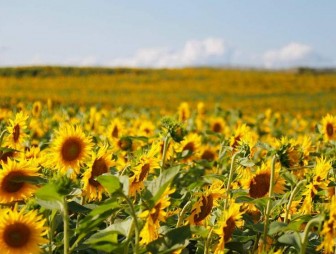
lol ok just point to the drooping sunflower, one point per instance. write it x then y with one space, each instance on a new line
16 130
70 148
100 164
329 127
153 217
21 231
204 205
11 186
231 219
258 184
147 163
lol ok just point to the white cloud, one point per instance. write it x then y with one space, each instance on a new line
293 54
209 51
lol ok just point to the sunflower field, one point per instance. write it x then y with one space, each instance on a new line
78 178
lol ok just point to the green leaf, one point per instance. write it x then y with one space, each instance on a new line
277 227
172 240
78 208
30 179
50 204
246 162
49 193
97 216
110 182
160 184
291 239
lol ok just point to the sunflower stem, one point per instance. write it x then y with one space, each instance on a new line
135 221
297 187
207 242
311 223
165 149
183 211
66 225
268 207
230 180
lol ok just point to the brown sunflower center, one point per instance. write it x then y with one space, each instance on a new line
9 183
208 155
71 149
217 127
259 185
190 147
115 132
155 215
228 229
16 133
5 155
330 130
17 235
99 167
144 172
207 204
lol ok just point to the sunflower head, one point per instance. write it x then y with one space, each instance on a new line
21 231
100 164
329 127
70 149
12 185
17 131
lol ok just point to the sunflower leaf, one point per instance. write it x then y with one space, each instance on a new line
160 184
49 193
172 240
110 182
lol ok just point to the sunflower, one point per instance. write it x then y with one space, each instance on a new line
147 163
70 149
37 109
329 127
217 125
289 151
21 231
209 153
16 130
190 146
329 230
116 129
231 219
243 135
153 218
183 112
209 199
258 184
100 164
11 188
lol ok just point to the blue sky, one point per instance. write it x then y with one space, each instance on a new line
260 33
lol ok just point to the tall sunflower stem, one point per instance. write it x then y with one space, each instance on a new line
207 242
297 187
135 221
66 226
165 149
181 214
304 241
268 207
230 180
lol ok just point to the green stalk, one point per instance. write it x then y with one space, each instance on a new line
180 218
230 180
297 187
207 242
2 136
135 221
268 207
66 226
311 223
164 152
